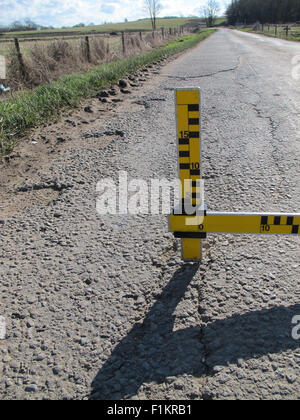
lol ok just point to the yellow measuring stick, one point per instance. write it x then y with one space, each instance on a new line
190 221
239 223
189 154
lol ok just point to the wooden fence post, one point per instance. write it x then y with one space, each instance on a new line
287 31
88 49
141 36
123 43
20 59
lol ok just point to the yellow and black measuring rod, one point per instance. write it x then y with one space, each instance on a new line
237 223
190 221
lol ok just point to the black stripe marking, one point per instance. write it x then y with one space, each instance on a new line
194 135
184 203
194 108
184 142
190 235
295 230
184 154
195 172
290 221
196 195
184 166
195 184
277 220
193 121
264 220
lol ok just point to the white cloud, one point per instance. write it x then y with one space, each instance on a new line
70 12
107 9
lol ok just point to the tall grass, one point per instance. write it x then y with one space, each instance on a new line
31 108
48 61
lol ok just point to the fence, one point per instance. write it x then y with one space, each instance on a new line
280 31
32 63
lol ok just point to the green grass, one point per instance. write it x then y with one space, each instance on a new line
221 21
31 108
280 35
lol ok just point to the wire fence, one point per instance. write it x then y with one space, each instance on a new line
288 31
32 62
114 38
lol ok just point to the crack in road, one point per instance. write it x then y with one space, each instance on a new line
260 113
201 310
273 129
208 74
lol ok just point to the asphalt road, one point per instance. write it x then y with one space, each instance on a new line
103 307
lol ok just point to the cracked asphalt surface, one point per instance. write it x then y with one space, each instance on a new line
103 308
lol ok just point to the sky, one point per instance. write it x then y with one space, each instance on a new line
60 13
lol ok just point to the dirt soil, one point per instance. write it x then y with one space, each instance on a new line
20 184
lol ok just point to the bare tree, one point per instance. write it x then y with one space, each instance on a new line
153 7
210 12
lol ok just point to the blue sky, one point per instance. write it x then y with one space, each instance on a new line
70 12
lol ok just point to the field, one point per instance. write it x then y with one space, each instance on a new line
139 25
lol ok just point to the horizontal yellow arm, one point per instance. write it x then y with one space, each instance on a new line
238 223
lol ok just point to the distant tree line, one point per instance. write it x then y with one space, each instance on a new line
26 25
29 25
264 11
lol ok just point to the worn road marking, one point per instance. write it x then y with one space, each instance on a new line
2 328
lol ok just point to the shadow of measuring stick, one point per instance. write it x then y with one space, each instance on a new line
152 350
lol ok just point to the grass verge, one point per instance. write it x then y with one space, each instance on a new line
31 108
270 35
